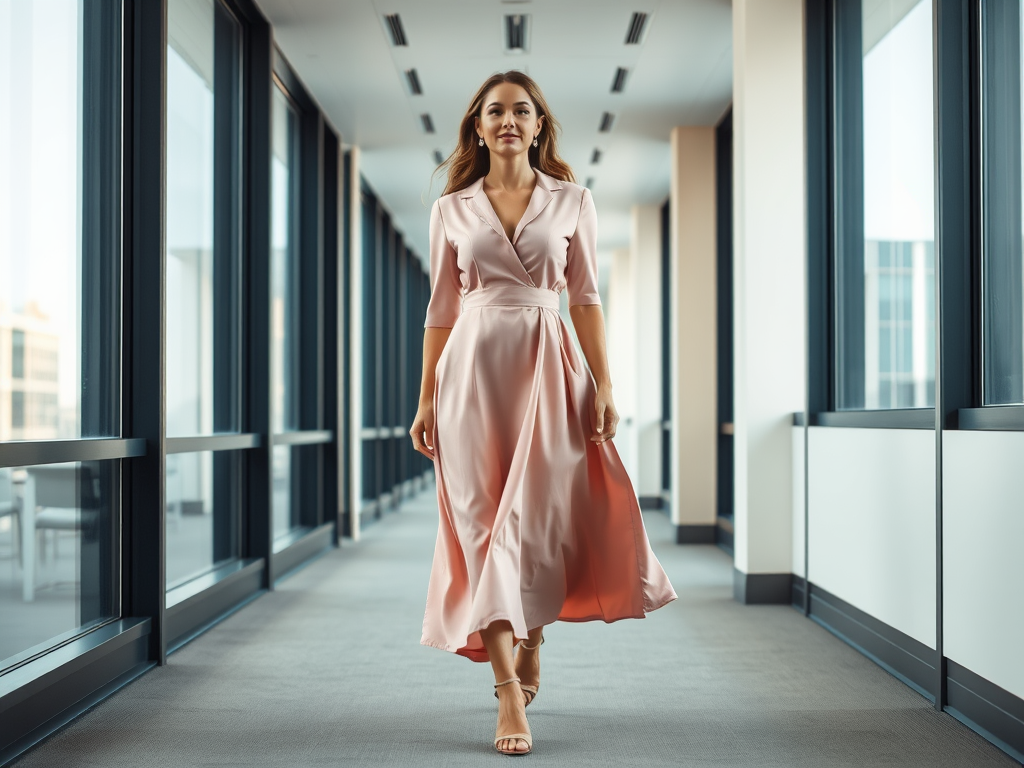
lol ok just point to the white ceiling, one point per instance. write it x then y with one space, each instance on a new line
681 74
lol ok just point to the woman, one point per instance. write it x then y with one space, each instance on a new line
538 519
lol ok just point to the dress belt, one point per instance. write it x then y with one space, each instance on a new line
511 296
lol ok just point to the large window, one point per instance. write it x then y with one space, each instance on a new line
1001 204
286 265
203 288
885 201
60 311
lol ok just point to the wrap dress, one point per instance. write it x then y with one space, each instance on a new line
537 522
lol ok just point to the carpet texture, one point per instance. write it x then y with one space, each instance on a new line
328 670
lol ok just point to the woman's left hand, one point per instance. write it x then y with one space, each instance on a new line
606 417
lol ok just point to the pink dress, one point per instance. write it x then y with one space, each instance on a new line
537 523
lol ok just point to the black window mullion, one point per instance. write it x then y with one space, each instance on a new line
848 290
143 540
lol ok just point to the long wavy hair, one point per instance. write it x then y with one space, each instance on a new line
470 161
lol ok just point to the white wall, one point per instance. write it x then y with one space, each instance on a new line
799 494
872 523
645 256
982 546
621 324
693 321
769 202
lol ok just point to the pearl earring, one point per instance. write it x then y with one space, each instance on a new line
535 141
481 142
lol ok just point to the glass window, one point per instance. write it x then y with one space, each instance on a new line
203 218
57 522
285 283
284 264
203 491
283 508
1001 219
59 244
885 268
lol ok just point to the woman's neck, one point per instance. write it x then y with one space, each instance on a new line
510 173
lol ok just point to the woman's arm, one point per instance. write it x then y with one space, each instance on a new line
588 320
422 428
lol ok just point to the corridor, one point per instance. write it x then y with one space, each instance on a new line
327 670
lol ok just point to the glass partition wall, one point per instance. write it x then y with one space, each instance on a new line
394 293
60 313
203 284
163 434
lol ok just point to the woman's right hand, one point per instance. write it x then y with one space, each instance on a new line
423 430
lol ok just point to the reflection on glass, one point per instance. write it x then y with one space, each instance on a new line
282 500
202 518
885 295
284 265
57 554
1002 217
49 261
203 193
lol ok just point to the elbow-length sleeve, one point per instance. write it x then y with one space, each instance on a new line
445 304
581 256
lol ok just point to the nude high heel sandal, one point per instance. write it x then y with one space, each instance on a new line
527 737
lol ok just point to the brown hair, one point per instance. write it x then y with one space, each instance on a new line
470 161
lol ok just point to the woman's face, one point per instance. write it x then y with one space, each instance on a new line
508 121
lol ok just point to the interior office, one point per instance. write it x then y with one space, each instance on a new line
211 307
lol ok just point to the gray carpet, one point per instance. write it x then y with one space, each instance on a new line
328 670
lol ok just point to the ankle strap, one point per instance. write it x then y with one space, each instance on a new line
510 680
532 647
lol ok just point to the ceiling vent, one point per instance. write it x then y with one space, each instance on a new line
394 23
619 83
428 123
636 28
438 157
413 80
517 29
606 122
596 157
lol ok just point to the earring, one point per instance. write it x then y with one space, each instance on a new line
535 142
481 142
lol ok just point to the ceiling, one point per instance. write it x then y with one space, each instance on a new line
680 74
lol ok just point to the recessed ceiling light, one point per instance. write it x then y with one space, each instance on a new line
589 183
636 28
606 122
394 23
517 28
413 80
595 158
619 83
438 157
428 123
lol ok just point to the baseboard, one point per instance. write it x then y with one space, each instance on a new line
695 534
907 659
724 536
798 592
983 706
761 588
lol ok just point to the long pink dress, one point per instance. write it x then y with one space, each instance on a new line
537 522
